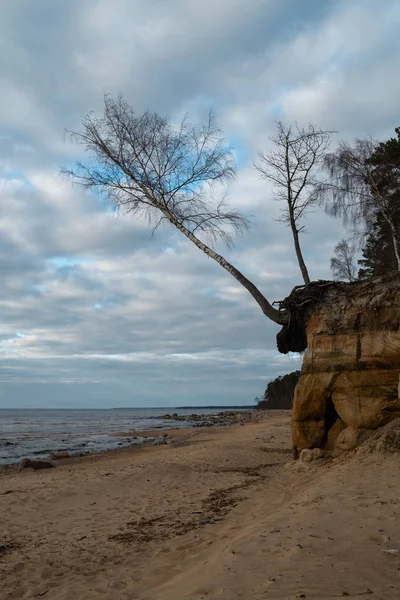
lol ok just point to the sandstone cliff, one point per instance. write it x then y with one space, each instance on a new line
349 383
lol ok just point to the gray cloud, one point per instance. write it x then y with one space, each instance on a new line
96 312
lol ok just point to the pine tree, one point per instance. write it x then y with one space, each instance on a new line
378 253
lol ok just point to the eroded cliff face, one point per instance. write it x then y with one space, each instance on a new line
349 383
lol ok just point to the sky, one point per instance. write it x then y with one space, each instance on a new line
94 310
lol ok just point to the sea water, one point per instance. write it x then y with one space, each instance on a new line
37 433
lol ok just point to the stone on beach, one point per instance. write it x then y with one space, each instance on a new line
307 455
160 441
27 463
59 454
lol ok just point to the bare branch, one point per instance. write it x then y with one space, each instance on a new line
146 167
292 167
343 264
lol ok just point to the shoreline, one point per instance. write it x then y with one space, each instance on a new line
149 436
136 439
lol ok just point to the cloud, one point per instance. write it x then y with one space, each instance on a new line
96 311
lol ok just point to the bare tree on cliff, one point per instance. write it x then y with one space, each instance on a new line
145 166
292 167
364 180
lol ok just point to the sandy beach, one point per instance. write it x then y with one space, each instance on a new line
216 513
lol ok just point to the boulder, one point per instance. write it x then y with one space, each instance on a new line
317 453
306 455
59 454
350 438
160 441
27 463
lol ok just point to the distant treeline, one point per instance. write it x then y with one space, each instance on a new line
279 393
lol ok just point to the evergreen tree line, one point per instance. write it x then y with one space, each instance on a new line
279 393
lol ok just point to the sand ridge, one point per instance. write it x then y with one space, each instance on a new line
218 513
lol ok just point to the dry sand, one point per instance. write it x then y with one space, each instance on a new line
220 513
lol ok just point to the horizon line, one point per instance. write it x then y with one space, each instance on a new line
132 407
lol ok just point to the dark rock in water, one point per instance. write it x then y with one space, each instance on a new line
58 455
27 463
160 441
212 420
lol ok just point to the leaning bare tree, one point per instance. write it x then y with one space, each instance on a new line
360 186
343 265
144 166
292 167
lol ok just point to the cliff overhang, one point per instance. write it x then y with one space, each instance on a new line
350 336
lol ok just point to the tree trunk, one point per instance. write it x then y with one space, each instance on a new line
396 244
299 253
267 308
385 209
292 220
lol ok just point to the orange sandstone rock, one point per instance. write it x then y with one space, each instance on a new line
349 381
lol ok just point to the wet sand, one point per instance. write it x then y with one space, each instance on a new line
217 513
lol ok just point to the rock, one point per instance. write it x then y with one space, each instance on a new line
58 455
38 592
27 463
333 433
7 547
159 441
350 438
386 440
317 453
349 381
116 585
306 455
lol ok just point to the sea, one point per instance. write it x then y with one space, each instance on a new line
37 433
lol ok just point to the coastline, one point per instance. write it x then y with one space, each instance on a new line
136 438
219 513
